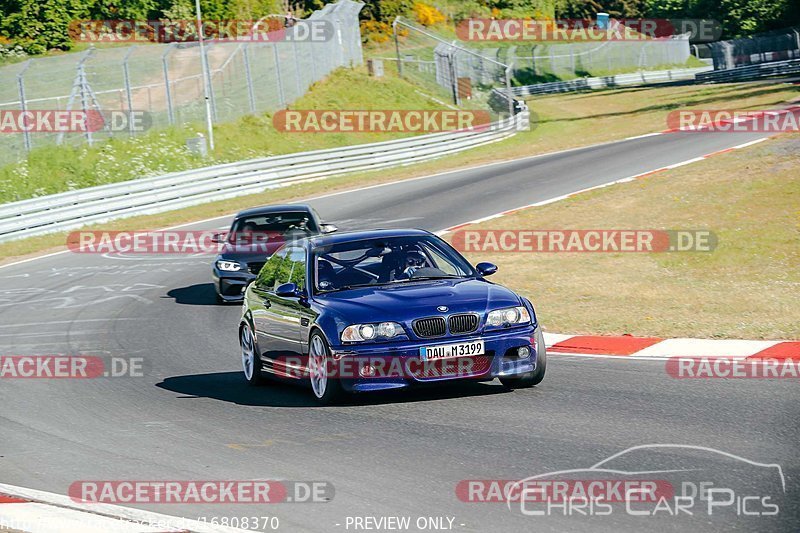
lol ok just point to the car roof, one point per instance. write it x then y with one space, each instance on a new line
352 236
270 209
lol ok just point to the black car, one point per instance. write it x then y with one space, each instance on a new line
254 236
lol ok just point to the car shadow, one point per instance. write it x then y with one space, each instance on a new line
199 294
231 387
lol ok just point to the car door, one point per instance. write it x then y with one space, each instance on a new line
278 319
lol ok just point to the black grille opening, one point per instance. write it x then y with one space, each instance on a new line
429 327
254 268
466 323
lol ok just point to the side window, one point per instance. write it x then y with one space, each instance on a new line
297 267
273 271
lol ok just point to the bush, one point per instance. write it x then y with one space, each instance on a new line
375 32
427 15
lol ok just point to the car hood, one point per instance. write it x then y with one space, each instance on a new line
406 301
247 253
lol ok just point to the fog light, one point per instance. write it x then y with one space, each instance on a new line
523 352
366 371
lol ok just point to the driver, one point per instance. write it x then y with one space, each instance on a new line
414 260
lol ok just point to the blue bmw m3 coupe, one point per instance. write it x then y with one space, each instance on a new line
384 309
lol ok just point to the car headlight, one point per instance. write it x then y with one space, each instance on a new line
510 316
368 332
228 266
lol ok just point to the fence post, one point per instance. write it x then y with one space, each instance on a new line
340 42
454 75
397 47
26 135
210 82
298 84
310 45
84 100
249 78
165 67
281 96
509 94
129 96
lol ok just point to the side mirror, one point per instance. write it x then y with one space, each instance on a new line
328 228
288 290
486 269
217 238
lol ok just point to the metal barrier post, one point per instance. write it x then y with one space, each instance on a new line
397 47
297 69
129 97
170 112
23 104
248 78
281 96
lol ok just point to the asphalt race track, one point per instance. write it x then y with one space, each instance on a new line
395 454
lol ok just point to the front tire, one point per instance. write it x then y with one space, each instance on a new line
531 378
326 389
251 362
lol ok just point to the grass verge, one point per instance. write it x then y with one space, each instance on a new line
54 169
564 121
746 288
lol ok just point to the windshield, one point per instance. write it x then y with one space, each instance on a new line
271 227
386 261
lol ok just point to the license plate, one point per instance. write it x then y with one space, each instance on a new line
448 351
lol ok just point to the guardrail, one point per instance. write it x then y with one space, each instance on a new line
70 210
606 82
752 72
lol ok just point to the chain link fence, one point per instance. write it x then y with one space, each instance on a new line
761 48
165 80
453 72
549 62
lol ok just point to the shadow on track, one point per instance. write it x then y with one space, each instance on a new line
231 387
200 294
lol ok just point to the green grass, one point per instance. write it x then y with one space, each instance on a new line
746 288
55 169
525 76
564 121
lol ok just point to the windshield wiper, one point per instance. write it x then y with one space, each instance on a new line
418 278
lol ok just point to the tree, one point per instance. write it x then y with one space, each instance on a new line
40 25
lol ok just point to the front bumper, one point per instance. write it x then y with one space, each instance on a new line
230 286
398 364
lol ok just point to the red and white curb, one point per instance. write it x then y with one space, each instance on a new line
34 511
655 348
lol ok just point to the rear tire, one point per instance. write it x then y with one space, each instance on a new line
251 362
326 389
531 378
